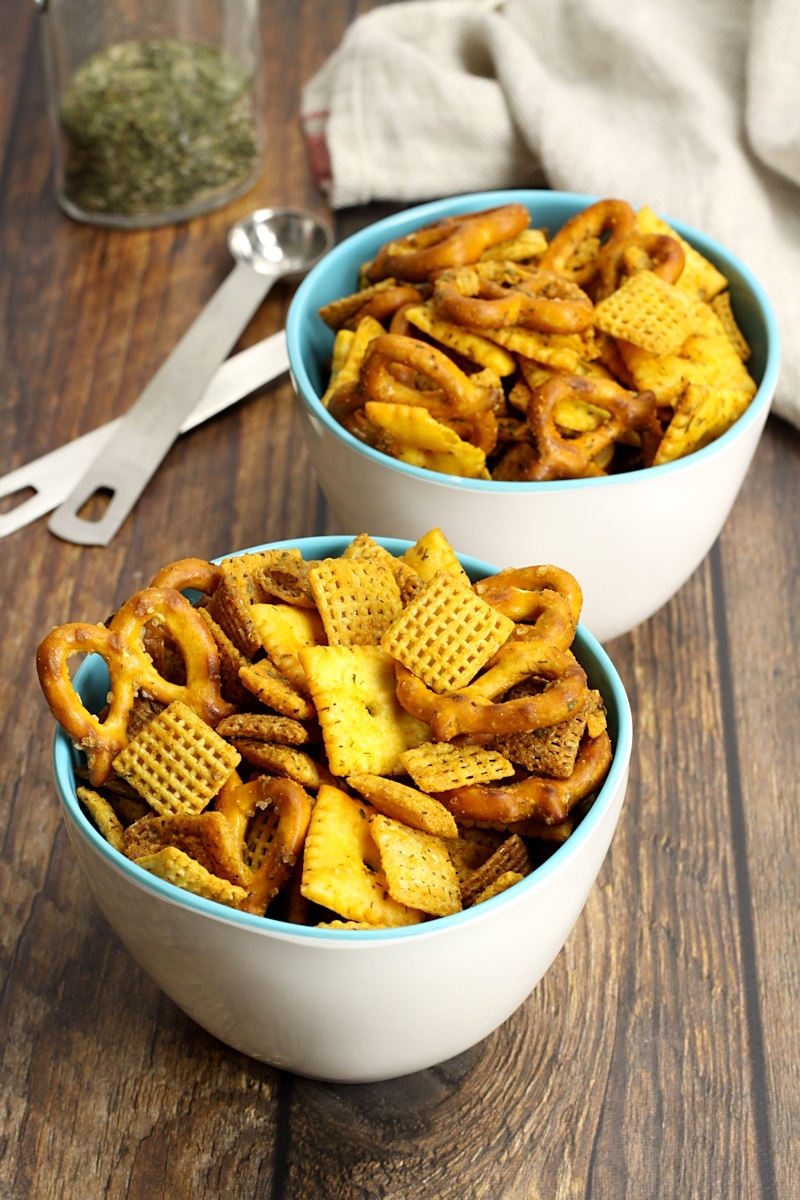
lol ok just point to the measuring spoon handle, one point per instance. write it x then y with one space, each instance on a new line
147 431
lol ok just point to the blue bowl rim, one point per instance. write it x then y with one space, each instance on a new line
361 246
589 651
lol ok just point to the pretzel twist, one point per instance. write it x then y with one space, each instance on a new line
452 242
120 644
494 295
575 248
547 596
194 573
572 457
289 820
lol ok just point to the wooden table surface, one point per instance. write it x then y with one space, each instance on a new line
659 1056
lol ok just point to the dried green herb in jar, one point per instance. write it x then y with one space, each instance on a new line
155 126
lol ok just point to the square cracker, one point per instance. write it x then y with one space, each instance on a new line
357 599
417 866
648 312
177 762
363 726
438 766
446 634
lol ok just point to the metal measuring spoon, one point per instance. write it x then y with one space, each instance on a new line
268 245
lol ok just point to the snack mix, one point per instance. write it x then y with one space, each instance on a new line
360 742
477 346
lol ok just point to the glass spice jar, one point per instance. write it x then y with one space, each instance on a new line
155 106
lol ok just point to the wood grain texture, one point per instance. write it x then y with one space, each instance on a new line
657 1058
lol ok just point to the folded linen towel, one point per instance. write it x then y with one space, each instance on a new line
690 106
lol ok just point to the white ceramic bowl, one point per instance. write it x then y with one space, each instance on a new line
342 1005
632 540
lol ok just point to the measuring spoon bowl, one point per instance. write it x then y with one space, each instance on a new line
279 241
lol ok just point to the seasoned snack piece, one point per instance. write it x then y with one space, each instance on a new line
721 305
263 680
446 634
231 601
452 242
472 848
492 295
511 855
410 434
341 310
553 750
231 661
340 862
207 837
283 576
357 600
195 573
131 671
547 800
648 312
472 709
471 344
545 598
105 818
349 372
174 866
501 884
417 867
700 279
437 766
285 761
701 415
363 726
408 578
284 629
276 834
433 553
406 804
264 727
177 763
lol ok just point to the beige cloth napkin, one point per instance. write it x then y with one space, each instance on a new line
690 106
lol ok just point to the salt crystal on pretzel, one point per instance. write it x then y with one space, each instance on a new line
364 728
177 762
341 864
446 634
417 866
406 804
511 855
437 766
357 600
176 867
